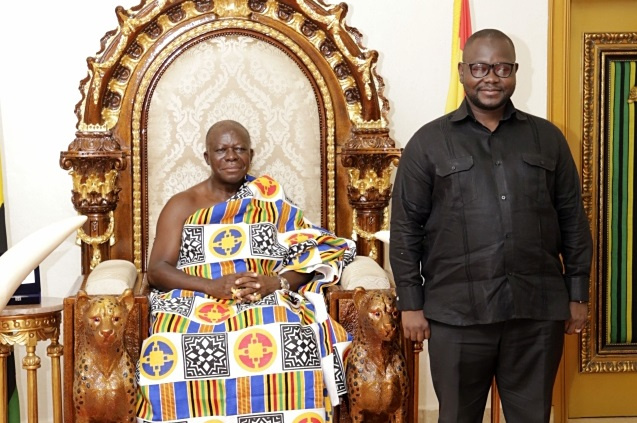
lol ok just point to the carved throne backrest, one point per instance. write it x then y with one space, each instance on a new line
291 71
245 79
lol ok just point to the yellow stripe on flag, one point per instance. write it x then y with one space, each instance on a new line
461 31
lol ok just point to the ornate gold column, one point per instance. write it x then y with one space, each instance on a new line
95 159
27 325
370 156
55 351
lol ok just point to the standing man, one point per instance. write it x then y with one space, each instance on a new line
490 245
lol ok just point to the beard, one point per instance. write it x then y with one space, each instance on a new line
474 99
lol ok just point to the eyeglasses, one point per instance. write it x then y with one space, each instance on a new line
480 70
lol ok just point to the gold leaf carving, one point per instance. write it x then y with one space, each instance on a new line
632 97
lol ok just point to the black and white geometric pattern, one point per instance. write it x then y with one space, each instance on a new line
192 250
261 418
264 243
349 255
339 374
270 299
296 250
137 373
300 349
181 305
205 355
244 192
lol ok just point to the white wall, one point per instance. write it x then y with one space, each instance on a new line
44 49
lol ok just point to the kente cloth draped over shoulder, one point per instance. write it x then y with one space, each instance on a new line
279 360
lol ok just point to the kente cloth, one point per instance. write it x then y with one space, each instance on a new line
278 360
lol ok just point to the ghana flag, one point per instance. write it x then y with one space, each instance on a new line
12 391
460 32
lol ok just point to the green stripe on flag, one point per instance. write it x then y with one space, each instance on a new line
12 392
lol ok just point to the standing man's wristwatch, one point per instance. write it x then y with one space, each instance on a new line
284 283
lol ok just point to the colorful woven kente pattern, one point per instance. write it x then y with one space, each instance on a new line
621 134
279 360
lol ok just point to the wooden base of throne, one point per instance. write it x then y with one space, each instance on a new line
340 305
136 331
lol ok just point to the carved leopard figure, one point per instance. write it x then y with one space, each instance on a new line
376 371
104 381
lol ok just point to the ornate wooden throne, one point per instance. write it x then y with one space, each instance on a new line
291 71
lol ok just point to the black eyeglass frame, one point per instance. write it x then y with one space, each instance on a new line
491 67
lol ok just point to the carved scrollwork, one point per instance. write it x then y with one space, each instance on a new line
31 361
370 186
141 27
257 5
55 349
285 12
328 48
27 330
232 8
352 95
376 139
94 160
309 29
153 30
370 222
370 157
175 14
96 241
342 71
121 74
135 50
112 100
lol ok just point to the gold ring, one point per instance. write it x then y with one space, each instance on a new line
257 296
235 292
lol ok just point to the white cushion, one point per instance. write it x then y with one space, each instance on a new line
366 273
111 277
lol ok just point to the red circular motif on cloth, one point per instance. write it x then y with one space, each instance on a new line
309 418
213 312
300 237
255 350
267 187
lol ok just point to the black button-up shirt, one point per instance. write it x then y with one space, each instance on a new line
489 226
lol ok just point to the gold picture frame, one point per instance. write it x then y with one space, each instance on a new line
602 349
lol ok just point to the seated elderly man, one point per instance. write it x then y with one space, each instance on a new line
239 324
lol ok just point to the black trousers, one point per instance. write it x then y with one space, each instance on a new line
523 355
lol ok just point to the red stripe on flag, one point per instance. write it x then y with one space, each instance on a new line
461 31
465 23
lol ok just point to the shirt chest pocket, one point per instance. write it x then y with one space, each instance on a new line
537 177
455 184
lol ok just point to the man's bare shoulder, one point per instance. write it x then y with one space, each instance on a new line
186 202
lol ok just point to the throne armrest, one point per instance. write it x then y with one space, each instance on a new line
364 272
111 277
